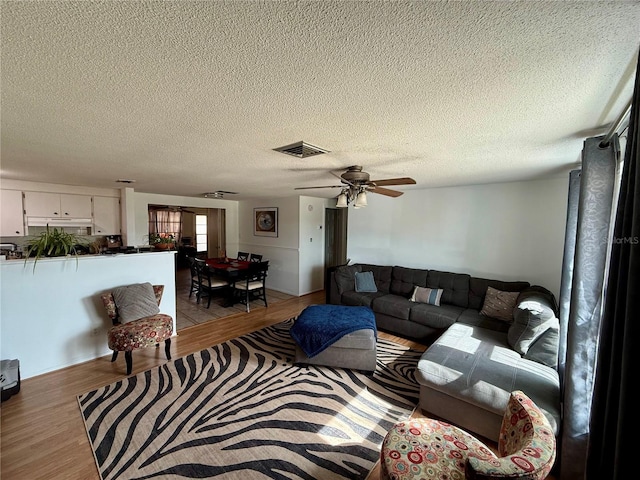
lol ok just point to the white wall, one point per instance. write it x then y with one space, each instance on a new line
312 244
52 317
507 231
281 251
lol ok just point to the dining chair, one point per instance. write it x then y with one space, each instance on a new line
252 284
255 258
244 256
195 280
208 283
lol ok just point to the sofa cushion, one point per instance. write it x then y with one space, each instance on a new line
472 317
455 286
393 305
345 277
433 316
426 295
545 349
478 289
531 318
381 274
365 282
543 294
403 280
478 366
499 304
355 299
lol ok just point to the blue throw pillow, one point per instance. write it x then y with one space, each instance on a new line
365 282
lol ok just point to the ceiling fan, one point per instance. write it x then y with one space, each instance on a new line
356 183
171 208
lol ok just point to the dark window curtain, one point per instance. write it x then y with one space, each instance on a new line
611 452
582 287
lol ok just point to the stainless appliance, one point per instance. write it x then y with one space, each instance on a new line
10 250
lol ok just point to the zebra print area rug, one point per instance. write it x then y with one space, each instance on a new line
241 409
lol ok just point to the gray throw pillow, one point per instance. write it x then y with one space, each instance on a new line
365 282
135 301
532 317
545 349
345 278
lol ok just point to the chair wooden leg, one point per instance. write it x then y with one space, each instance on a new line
167 348
129 359
114 356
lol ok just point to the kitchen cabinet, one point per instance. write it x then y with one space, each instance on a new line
106 215
11 216
62 205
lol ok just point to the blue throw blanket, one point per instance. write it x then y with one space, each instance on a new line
320 326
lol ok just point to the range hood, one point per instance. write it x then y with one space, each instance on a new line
59 222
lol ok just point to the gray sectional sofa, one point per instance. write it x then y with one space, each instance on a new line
473 361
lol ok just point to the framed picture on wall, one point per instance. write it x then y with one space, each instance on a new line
265 222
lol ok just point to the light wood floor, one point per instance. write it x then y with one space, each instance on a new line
42 434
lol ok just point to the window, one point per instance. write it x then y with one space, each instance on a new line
165 222
201 233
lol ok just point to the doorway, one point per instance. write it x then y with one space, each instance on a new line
335 237
198 231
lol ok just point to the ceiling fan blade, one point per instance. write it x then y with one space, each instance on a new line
395 181
385 191
324 186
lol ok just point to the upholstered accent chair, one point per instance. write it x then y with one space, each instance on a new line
139 333
425 448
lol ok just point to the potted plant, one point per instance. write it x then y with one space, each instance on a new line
162 241
52 243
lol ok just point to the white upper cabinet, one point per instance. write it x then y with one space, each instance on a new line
44 204
11 217
106 216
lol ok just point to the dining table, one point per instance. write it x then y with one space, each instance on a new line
229 269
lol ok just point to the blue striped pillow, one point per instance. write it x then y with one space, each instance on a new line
427 295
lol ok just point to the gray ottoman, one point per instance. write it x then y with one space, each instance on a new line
355 350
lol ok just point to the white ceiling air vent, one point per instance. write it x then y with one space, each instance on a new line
301 150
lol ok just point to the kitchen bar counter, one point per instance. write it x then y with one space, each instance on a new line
52 316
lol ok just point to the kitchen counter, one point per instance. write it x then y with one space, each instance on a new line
51 316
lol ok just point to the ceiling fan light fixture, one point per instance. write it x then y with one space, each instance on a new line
361 199
218 194
342 200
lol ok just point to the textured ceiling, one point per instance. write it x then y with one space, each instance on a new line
191 97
